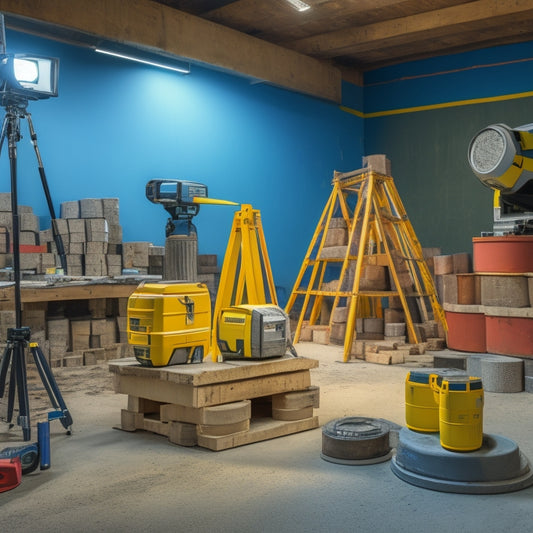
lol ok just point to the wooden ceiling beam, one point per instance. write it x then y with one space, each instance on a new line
163 29
409 29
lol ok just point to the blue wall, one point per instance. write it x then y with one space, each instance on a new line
117 124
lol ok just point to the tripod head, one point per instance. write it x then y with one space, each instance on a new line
177 197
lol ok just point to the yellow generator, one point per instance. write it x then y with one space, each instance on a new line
253 331
169 322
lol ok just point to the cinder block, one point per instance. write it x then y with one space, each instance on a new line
340 314
373 325
374 278
393 316
320 334
337 333
110 210
70 209
395 329
443 264
91 208
378 163
504 291
336 237
461 263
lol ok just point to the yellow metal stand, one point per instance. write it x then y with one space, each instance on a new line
246 276
379 233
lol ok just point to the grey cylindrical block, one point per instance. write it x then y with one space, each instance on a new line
181 258
473 364
502 375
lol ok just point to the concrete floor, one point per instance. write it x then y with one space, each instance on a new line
103 479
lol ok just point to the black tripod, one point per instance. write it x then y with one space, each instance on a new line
18 338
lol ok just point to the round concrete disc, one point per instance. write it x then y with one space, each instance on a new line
497 467
357 462
355 439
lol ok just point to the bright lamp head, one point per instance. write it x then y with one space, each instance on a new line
492 153
27 77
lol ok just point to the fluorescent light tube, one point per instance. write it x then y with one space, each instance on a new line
299 5
144 61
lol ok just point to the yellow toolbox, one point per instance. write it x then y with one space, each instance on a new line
169 322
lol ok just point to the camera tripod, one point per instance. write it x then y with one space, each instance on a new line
19 337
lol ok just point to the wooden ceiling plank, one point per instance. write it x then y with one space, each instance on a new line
161 28
409 28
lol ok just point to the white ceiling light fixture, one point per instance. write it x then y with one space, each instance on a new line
166 66
299 5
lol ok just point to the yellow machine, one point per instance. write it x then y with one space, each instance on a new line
502 159
169 322
253 331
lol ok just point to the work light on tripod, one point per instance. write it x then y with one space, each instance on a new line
26 77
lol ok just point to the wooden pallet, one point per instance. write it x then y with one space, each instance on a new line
218 405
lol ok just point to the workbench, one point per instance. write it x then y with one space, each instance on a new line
63 288
218 405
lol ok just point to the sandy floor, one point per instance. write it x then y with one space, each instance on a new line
103 479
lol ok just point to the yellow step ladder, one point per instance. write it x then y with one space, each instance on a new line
379 233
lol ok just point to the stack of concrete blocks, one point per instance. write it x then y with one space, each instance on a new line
32 258
135 256
92 236
445 271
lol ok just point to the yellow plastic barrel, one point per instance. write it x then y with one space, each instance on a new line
460 413
421 404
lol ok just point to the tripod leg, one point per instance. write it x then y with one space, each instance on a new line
50 385
57 236
19 360
11 393
4 365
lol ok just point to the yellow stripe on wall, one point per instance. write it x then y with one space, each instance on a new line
437 106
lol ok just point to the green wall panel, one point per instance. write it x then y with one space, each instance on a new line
445 202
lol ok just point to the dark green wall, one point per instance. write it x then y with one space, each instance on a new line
445 202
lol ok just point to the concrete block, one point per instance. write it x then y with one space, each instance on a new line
443 264
321 334
333 252
91 208
504 291
378 163
374 278
528 383
505 374
336 237
393 316
393 329
450 360
340 314
110 210
461 263
70 209
373 325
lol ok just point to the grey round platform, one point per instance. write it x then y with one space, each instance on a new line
497 467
